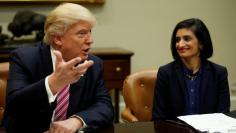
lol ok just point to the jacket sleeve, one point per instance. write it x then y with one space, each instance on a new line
224 96
24 95
160 96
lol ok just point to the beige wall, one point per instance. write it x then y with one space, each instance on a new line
145 27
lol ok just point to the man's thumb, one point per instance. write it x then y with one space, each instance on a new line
58 56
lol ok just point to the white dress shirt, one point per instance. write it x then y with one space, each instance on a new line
51 97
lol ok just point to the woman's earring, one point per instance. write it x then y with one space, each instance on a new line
200 49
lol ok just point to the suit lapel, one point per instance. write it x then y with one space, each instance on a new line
205 80
180 76
75 95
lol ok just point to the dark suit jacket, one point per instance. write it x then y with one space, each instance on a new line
28 108
170 91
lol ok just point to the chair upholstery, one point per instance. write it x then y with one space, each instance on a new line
4 68
138 92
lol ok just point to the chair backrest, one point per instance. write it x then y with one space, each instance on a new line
4 69
138 92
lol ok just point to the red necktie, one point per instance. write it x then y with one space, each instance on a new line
62 104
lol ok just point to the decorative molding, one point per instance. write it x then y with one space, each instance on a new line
51 1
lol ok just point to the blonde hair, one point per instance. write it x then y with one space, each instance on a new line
62 17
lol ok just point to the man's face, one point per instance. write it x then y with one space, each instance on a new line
76 41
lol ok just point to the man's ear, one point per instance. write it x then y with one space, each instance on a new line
57 40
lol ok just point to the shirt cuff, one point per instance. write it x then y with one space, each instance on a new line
51 97
84 124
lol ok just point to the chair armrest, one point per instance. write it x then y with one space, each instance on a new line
2 98
1 114
127 116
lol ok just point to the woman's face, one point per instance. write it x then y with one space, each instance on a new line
187 44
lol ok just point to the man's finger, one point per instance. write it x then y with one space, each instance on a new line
58 56
85 65
73 62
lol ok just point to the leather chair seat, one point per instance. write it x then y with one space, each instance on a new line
4 69
138 92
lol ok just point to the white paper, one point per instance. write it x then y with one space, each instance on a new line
211 123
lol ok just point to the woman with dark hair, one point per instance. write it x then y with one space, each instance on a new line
191 84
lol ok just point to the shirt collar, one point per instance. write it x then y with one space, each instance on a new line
188 71
53 57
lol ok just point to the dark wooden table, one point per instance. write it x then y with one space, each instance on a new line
154 127
148 127
142 127
2 130
117 65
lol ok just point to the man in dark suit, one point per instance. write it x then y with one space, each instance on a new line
37 75
191 84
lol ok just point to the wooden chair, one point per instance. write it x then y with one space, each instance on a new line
4 68
138 92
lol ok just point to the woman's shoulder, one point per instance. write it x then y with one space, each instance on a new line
214 66
170 65
169 68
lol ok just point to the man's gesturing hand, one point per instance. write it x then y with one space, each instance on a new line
67 72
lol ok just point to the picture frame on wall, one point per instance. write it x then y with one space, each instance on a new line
51 1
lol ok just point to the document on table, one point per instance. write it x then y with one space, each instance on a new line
211 123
